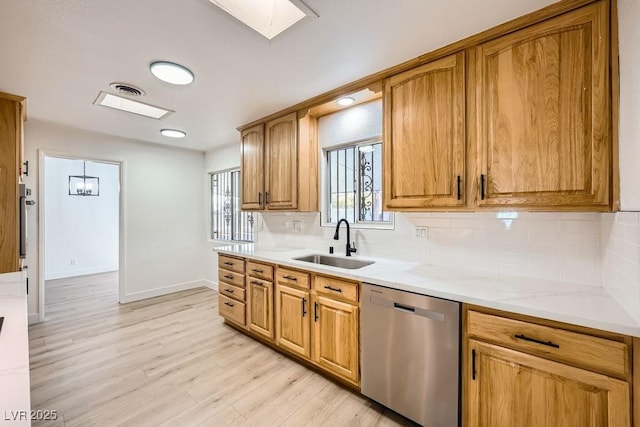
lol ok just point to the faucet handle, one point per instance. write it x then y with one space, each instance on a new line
352 248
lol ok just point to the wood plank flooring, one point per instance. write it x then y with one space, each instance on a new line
171 361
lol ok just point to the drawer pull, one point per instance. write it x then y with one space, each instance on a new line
295 279
229 304
333 289
228 263
229 290
255 270
253 282
547 343
228 276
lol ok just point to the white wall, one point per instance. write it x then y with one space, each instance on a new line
162 206
629 40
81 234
226 157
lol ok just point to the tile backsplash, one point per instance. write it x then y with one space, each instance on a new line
620 247
588 248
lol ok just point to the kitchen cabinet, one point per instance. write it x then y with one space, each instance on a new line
252 148
543 114
12 114
280 164
231 296
260 299
424 134
336 331
293 329
521 372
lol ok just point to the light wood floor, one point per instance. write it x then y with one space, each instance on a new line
171 361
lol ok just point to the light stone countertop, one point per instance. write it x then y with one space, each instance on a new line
15 398
574 303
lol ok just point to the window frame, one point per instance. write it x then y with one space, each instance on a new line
238 195
324 188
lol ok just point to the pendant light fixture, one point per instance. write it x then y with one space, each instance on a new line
84 185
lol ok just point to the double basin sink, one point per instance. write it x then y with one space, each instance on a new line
348 263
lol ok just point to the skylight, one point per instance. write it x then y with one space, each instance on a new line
268 17
124 104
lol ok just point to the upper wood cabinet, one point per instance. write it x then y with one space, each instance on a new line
11 140
252 148
543 114
280 165
424 128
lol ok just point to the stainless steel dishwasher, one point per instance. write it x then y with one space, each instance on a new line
410 354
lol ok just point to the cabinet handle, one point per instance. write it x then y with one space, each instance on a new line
526 338
295 279
228 290
315 311
304 307
228 276
266 197
459 192
253 282
259 198
228 263
333 289
473 365
229 304
255 270
482 187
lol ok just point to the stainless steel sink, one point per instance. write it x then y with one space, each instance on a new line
351 264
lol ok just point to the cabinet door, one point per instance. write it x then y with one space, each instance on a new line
260 307
10 128
292 320
424 151
281 179
543 114
252 150
510 388
335 337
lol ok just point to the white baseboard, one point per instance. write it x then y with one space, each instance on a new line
211 284
34 318
137 296
79 272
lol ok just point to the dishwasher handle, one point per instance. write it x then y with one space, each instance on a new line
407 308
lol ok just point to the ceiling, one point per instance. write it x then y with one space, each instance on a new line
61 54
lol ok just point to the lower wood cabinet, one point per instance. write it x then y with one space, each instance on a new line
292 320
521 372
260 307
335 337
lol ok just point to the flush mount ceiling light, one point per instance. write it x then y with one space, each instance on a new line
268 17
173 133
171 72
130 106
347 100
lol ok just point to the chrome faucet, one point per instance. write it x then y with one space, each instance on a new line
350 249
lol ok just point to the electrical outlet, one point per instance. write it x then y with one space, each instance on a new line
421 233
74 261
296 226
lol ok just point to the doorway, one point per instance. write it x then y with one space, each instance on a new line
80 234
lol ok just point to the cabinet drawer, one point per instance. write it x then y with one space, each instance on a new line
586 351
294 278
336 287
259 270
231 310
232 291
232 264
235 279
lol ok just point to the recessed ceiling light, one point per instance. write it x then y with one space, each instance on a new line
173 133
130 106
347 100
171 72
268 17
